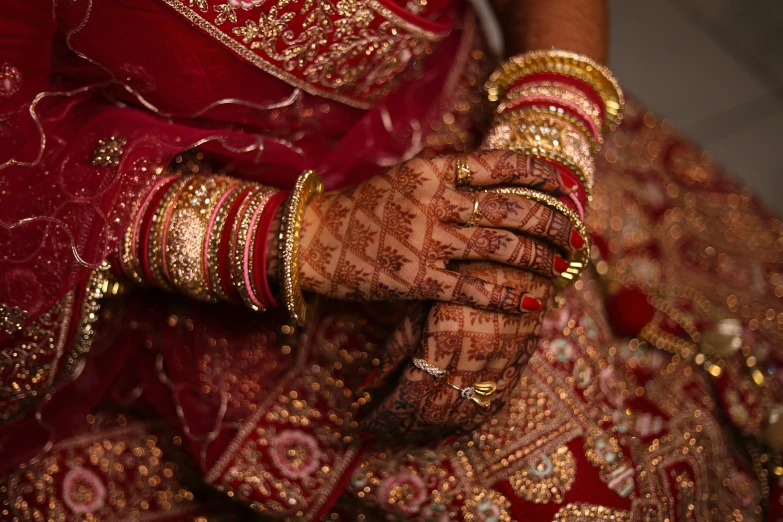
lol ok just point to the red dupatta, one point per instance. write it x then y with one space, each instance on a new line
61 215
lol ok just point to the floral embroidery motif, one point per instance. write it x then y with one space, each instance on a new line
295 453
546 478
404 492
10 80
12 318
83 491
352 51
108 152
486 506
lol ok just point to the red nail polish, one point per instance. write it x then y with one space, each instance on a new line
576 240
530 304
561 265
569 183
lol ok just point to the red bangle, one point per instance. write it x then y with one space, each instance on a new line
567 80
260 276
224 250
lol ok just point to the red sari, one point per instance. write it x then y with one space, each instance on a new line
147 406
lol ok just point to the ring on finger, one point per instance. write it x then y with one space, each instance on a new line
426 367
475 217
463 171
480 393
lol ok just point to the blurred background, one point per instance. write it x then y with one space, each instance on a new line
715 68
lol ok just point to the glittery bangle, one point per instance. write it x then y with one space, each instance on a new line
156 260
130 261
186 241
578 259
544 135
308 185
214 233
244 249
567 64
570 98
531 106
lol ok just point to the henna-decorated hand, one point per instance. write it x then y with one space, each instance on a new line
392 236
471 345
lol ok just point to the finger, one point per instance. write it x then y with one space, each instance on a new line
513 168
444 285
402 342
517 213
503 246
398 410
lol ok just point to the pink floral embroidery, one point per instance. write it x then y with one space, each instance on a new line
404 491
245 4
295 453
10 80
83 491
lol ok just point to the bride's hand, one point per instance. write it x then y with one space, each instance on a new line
470 346
392 236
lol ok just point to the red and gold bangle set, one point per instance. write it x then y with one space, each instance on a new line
205 237
556 105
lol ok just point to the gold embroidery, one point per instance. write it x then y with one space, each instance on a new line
546 477
10 80
486 505
352 51
28 361
12 318
97 284
579 512
115 474
108 152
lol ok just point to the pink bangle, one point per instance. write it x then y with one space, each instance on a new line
249 286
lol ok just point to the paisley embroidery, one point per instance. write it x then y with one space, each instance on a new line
352 51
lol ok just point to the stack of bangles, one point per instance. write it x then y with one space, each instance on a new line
207 237
556 105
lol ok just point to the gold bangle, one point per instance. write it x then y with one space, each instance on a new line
186 237
559 114
544 135
555 90
308 185
155 246
245 238
214 281
567 63
577 260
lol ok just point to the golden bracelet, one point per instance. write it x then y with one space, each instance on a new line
186 237
308 185
214 281
555 90
567 63
577 260
544 135
155 246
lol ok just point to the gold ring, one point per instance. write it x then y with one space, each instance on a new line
480 393
475 217
579 259
463 171
431 369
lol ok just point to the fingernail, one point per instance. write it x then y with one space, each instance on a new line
530 304
561 265
576 240
569 183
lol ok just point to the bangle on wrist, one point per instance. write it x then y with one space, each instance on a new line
308 185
